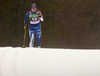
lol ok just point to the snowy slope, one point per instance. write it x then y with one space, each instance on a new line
49 62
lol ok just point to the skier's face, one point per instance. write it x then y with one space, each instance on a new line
33 9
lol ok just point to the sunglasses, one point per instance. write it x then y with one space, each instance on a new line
34 8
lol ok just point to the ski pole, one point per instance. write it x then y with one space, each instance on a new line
24 39
41 38
41 35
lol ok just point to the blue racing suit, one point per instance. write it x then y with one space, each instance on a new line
34 27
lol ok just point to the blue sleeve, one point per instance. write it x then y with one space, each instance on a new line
25 19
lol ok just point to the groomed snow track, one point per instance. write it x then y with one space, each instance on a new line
49 62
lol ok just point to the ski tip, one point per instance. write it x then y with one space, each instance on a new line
23 46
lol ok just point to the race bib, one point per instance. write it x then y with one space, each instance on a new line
33 15
34 19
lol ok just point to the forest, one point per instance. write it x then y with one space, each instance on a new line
71 24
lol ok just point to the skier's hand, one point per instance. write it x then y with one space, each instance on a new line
25 27
39 15
39 18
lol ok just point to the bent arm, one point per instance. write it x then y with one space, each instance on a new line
25 19
42 19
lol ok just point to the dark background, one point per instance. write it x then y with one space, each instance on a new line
71 24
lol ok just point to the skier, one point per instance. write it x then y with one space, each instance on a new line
34 27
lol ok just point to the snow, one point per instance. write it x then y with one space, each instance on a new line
49 62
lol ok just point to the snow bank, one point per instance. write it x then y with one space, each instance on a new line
49 62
